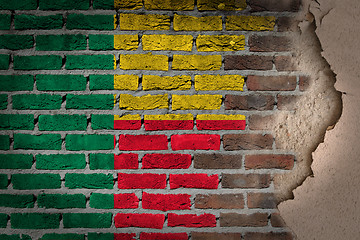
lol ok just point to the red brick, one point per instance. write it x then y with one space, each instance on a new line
195 142
141 181
271 83
249 102
274 5
262 200
126 161
261 122
124 236
191 220
276 220
247 141
249 62
245 180
287 102
195 180
269 43
217 161
304 83
269 161
215 236
143 142
166 161
219 201
285 63
163 236
126 200
220 124
127 124
287 24
268 236
243 220
144 220
155 125
166 202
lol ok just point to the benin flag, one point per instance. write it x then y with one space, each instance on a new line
125 122
114 82
169 122
220 122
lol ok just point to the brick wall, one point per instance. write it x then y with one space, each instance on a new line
144 119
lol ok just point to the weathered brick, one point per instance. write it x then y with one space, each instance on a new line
16 83
219 201
191 220
197 62
243 220
304 83
169 5
288 102
268 236
17 201
64 4
217 161
227 5
212 43
195 142
101 161
94 101
269 161
16 121
169 122
269 43
250 23
129 21
152 82
60 161
16 42
60 82
87 220
3 103
111 42
195 180
36 102
117 4
46 62
124 122
23 22
62 236
247 141
141 181
3 220
4 61
196 102
262 200
102 201
104 62
142 142
219 82
248 62
271 83
61 201
245 180
35 221
166 202
126 200
249 102
5 21
114 82
37 142
276 220
144 62
190 23
89 181
102 122
261 122
215 236
15 237
4 182
36 181
4 143
102 236
286 24
163 236
146 102
16 161
91 22
166 161
220 122
61 42
89 142
18 5
126 161
144 220
285 63
62 122
274 5
167 42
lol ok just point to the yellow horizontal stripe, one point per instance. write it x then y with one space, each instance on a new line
170 117
219 117
127 117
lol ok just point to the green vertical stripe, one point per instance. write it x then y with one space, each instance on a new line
102 161
101 82
101 42
102 122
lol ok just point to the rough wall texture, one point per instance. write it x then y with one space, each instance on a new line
156 119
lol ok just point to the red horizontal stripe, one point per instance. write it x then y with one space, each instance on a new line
126 200
195 142
153 125
127 124
166 161
220 124
124 236
163 236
